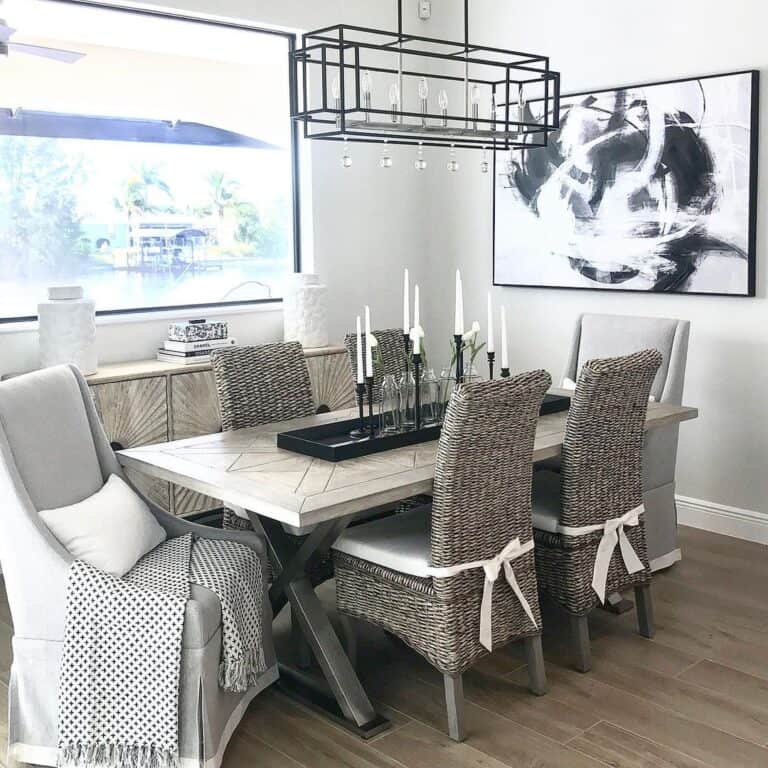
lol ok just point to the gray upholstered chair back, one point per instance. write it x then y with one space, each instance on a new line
53 452
601 336
603 446
261 384
482 486
391 349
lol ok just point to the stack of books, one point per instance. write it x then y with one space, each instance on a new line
191 342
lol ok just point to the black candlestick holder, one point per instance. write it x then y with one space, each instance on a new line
491 358
505 373
407 347
417 382
369 387
360 432
459 342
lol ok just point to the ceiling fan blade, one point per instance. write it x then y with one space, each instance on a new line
5 32
57 54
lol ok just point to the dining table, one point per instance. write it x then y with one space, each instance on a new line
286 493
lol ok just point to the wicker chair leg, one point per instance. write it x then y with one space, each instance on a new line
644 602
300 646
580 636
534 656
454 703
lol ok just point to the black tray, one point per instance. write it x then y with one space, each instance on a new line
332 442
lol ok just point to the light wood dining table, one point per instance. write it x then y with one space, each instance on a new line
286 492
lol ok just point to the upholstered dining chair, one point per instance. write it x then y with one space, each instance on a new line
456 580
392 353
596 336
53 453
588 519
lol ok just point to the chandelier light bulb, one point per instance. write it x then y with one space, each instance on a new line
386 158
475 94
366 83
346 160
336 88
453 163
442 100
420 164
394 100
484 162
423 88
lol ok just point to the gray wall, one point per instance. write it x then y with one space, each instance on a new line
600 43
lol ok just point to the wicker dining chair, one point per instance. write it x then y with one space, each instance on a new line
391 351
588 519
423 575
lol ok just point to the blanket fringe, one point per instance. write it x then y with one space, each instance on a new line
237 675
75 755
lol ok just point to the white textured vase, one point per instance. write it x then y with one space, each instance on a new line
305 311
68 329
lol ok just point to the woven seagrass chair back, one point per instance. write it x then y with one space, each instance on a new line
483 473
391 349
603 446
261 384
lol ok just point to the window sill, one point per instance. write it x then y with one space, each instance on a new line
169 315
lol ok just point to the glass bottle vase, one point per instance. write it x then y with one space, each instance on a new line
407 386
389 406
430 398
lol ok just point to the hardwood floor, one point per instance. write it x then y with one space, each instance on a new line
695 697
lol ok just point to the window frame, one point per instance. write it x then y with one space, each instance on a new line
291 40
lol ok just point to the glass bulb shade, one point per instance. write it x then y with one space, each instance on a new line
366 83
484 166
420 164
394 94
423 88
386 161
442 99
475 94
346 161
336 88
453 165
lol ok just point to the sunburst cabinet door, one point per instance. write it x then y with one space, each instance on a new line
135 412
332 383
194 411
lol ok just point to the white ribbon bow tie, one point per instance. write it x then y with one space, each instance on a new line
492 567
614 534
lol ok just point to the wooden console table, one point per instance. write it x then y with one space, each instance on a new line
147 402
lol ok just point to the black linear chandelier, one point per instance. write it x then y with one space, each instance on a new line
369 85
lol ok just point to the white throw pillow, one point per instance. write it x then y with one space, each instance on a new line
111 530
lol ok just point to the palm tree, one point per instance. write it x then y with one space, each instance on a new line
222 196
136 193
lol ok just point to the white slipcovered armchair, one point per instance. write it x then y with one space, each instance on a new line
53 453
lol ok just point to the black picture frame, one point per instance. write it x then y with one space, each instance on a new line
754 123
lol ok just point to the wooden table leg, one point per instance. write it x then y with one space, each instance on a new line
341 695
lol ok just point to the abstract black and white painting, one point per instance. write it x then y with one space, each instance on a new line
643 188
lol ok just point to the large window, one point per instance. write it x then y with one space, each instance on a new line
157 170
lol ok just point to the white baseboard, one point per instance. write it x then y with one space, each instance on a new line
721 518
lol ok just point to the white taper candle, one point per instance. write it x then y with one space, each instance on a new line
368 347
504 350
406 303
458 326
416 321
491 342
359 359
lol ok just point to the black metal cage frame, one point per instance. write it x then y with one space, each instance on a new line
343 52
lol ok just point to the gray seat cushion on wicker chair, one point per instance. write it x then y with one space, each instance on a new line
400 543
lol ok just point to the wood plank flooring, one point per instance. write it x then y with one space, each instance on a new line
695 697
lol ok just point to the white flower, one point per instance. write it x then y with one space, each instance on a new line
472 332
374 342
417 332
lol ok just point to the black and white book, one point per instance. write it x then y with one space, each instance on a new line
197 346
